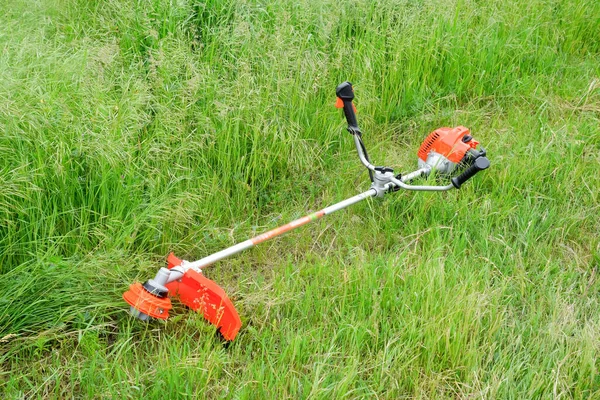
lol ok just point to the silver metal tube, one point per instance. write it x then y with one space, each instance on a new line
398 182
206 261
361 153
176 273
213 258
415 174
350 201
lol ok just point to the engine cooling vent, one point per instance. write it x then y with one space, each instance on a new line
426 145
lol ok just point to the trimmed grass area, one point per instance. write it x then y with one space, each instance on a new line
130 129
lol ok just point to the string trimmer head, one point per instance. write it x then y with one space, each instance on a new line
193 289
445 150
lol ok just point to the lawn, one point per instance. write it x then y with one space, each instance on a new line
130 129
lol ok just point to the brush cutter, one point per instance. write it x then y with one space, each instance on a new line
445 151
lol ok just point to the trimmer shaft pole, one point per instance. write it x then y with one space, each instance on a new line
206 261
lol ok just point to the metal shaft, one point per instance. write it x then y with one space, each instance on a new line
206 261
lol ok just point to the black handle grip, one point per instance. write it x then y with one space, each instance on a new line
479 164
345 93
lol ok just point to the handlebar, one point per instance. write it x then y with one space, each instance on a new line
361 152
345 95
479 164
384 178
401 184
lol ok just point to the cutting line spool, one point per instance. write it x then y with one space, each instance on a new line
146 303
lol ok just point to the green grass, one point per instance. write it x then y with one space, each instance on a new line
130 129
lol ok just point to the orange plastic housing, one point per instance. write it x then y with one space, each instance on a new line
140 299
447 142
203 295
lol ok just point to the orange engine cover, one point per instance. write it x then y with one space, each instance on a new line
203 295
447 142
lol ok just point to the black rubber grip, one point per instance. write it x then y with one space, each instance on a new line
345 93
479 164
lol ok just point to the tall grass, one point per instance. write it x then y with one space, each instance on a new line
130 129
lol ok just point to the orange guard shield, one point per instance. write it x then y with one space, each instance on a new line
203 295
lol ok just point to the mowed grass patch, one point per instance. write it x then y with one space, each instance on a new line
132 129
